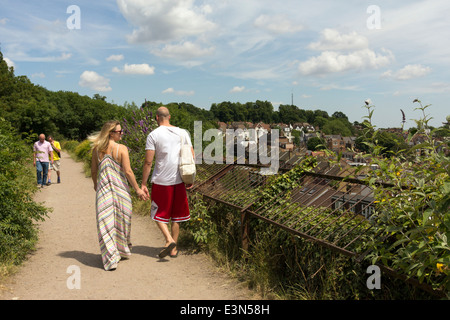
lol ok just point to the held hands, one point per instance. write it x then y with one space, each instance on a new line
143 193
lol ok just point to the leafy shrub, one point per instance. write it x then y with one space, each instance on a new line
18 211
83 150
199 226
279 264
70 145
413 209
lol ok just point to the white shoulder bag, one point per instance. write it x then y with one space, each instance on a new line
187 162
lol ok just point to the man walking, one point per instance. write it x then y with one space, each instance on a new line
43 154
169 199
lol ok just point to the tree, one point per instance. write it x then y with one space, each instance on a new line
315 143
336 126
290 114
222 111
320 121
99 97
339 115
6 78
390 142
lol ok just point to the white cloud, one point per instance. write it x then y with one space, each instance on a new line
115 57
206 9
343 52
142 69
410 71
438 87
184 51
169 90
333 86
165 20
3 21
278 24
94 81
178 92
21 56
331 39
65 56
38 75
333 62
9 62
237 89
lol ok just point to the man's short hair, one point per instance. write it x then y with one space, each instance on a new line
162 112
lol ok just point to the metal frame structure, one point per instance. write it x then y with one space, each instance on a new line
329 206
329 215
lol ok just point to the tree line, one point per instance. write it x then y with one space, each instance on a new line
263 111
33 109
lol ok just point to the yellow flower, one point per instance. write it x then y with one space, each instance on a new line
440 267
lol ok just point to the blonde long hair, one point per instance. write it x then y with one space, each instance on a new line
100 140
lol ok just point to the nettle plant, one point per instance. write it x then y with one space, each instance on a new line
412 207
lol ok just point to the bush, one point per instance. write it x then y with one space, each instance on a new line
412 212
18 211
83 151
70 145
277 263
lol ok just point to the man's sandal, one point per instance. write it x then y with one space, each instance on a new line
166 251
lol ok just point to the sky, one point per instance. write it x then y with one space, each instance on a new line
322 54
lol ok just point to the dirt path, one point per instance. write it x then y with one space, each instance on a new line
68 254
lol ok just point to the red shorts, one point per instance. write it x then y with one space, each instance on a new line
169 202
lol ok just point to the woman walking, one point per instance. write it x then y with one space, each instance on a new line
110 170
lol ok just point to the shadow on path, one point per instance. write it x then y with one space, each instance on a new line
86 258
95 260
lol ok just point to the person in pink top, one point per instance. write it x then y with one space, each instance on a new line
43 154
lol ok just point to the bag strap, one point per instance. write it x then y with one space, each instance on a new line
182 138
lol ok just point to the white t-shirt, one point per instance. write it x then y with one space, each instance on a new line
166 142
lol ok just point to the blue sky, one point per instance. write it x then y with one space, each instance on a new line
330 55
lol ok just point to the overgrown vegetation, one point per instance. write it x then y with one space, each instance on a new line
279 265
413 210
18 211
410 235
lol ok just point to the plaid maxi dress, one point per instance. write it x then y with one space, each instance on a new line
114 208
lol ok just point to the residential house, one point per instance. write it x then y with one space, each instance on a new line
335 142
285 144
